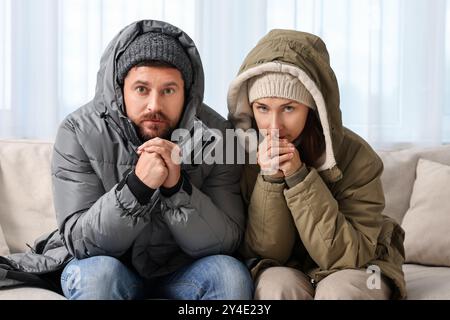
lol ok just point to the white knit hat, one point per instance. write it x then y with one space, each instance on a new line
279 85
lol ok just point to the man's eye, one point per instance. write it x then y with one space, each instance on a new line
168 91
289 108
141 90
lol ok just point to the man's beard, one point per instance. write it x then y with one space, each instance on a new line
163 130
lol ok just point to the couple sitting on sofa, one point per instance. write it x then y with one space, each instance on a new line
303 220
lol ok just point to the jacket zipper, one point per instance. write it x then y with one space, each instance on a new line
113 124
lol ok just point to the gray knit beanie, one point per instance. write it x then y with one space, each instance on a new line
279 85
158 47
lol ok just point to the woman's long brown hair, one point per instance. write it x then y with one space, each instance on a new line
311 140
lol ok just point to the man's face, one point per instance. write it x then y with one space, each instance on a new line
154 100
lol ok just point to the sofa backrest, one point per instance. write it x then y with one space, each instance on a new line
26 200
400 173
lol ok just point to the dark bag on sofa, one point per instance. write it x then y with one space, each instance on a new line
40 267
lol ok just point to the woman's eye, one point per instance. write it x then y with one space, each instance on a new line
168 91
141 90
288 108
262 108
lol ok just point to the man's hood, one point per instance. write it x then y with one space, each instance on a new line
304 56
108 94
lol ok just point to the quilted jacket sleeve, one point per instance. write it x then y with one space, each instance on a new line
91 220
270 231
209 220
339 231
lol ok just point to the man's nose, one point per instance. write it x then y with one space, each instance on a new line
154 103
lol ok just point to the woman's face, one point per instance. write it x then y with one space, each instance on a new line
288 116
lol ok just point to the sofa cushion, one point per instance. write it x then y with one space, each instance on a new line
427 222
399 175
4 249
427 283
26 202
29 293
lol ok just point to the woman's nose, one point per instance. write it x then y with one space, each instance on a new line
275 123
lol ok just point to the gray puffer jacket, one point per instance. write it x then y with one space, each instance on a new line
97 213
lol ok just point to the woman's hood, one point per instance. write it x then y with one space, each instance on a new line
304 56
108 95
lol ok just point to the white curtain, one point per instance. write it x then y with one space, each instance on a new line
391 57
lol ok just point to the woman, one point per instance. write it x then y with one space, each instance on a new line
315 227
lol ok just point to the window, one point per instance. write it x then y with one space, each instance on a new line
5 55
391 57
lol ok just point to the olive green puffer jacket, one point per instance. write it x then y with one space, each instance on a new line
332 219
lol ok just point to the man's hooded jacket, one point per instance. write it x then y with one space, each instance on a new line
97 214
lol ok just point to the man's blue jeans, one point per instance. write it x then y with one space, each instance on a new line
218 277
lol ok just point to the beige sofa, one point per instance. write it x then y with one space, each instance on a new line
26 208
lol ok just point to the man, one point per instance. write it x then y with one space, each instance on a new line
137 223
